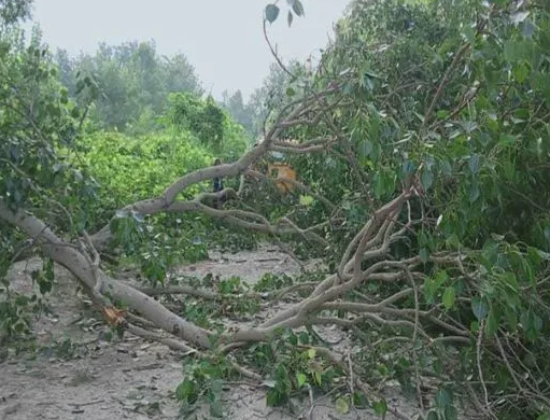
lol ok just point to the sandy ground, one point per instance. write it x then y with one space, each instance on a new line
131 378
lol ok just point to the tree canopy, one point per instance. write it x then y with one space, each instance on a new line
132 82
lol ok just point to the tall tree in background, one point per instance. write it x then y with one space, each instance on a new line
133 82
13 10
271 96
239 110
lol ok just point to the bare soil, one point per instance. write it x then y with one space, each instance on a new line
132 378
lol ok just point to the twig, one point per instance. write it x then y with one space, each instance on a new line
444 81
311 402
480 369
273 52
415 334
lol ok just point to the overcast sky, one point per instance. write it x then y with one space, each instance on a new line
222 38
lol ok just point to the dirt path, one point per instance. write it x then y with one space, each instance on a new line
130 378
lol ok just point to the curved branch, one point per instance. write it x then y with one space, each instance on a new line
166 201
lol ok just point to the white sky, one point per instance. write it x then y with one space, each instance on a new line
222 38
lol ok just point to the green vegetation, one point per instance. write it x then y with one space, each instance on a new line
135 168
421 144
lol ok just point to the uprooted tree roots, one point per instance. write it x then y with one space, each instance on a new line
428 334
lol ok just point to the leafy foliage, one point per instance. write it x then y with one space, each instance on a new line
462 108
134 168
33 172
295 8
203 118
12 11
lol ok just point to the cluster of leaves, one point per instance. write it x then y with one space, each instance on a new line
293 367
16 308
75 182
452 93
291 371
159 244
34 173
235 300
203 380
13 10
295 7
208 122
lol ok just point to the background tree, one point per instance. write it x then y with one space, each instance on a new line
133 83
241 112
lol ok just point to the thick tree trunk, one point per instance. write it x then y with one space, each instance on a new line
66 255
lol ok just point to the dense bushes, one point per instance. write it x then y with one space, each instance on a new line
130 168
135 168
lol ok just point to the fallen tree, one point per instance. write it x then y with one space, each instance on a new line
413 269
365 260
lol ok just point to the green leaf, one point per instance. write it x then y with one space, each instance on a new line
445 167
507 140
216 409
511 319
298 7
443 398
306 200
378 184
304 338
474 164
451 413
365 148
442 114
380 407
491 326
424 255
432 415
185 390
408 168
531 321
474 192
479 307
360 400
342 405
289 19
427 179
449 297
271 12
302 379
430 287
528 28
216 386
293 339
317 377
520 72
